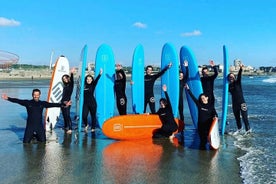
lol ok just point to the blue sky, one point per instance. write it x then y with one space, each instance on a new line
33 29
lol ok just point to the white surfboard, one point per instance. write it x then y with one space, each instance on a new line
55 92
213 137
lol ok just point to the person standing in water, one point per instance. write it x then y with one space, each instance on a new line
120 90
90 104
207 82
68 86
149 84
182 81
165 114
206 115
238 103
35 126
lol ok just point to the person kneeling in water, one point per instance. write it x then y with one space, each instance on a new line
165 114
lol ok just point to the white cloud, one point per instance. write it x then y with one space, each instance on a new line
193 33
8 22
140 25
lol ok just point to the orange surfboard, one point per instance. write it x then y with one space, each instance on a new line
134 126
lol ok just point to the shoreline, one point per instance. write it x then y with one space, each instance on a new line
46 74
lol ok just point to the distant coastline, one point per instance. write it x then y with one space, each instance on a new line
37 74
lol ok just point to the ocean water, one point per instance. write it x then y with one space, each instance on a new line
93 158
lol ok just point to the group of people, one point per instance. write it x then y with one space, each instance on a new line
205 102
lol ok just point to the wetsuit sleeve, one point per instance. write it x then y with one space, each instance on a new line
72 81
18 101
215 73
49 105
97 79
124 78
193 97
186 75
239 76
161 72
168 100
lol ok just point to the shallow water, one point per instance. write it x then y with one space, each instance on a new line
93 158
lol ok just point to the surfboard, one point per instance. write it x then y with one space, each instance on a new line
137 77
225 90
213 136
55 92
193 81
81 78
171 76
134 126
104 91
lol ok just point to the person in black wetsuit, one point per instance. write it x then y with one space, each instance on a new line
238 103
68 82
182 81
35 126
149 83
90 104
207 82
165 114
206 114
120 90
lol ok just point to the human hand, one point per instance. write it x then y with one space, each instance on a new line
101 71
185 63
4 96
164 87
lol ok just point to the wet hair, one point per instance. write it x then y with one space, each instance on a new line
199 98
229 75
149 66
65 75
36 90
87 77
204 68
164 101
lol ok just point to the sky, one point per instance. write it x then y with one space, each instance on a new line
35 29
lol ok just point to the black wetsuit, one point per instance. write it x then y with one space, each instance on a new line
90 104
206 113
208 85
168 123
66 96
35 126
120 88
238 103
149 95
181 89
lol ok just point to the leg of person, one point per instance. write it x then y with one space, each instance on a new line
93 111
84 117
180 109
28 135
68 118
236 111
122 106
63 110
202 135
244 114
145 104
157 133
152 105
40 135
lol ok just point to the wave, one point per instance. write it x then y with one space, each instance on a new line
258 162
270 80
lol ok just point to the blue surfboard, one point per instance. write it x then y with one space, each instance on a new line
80 84
104 91
225 90
193 80
137 88
171 76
